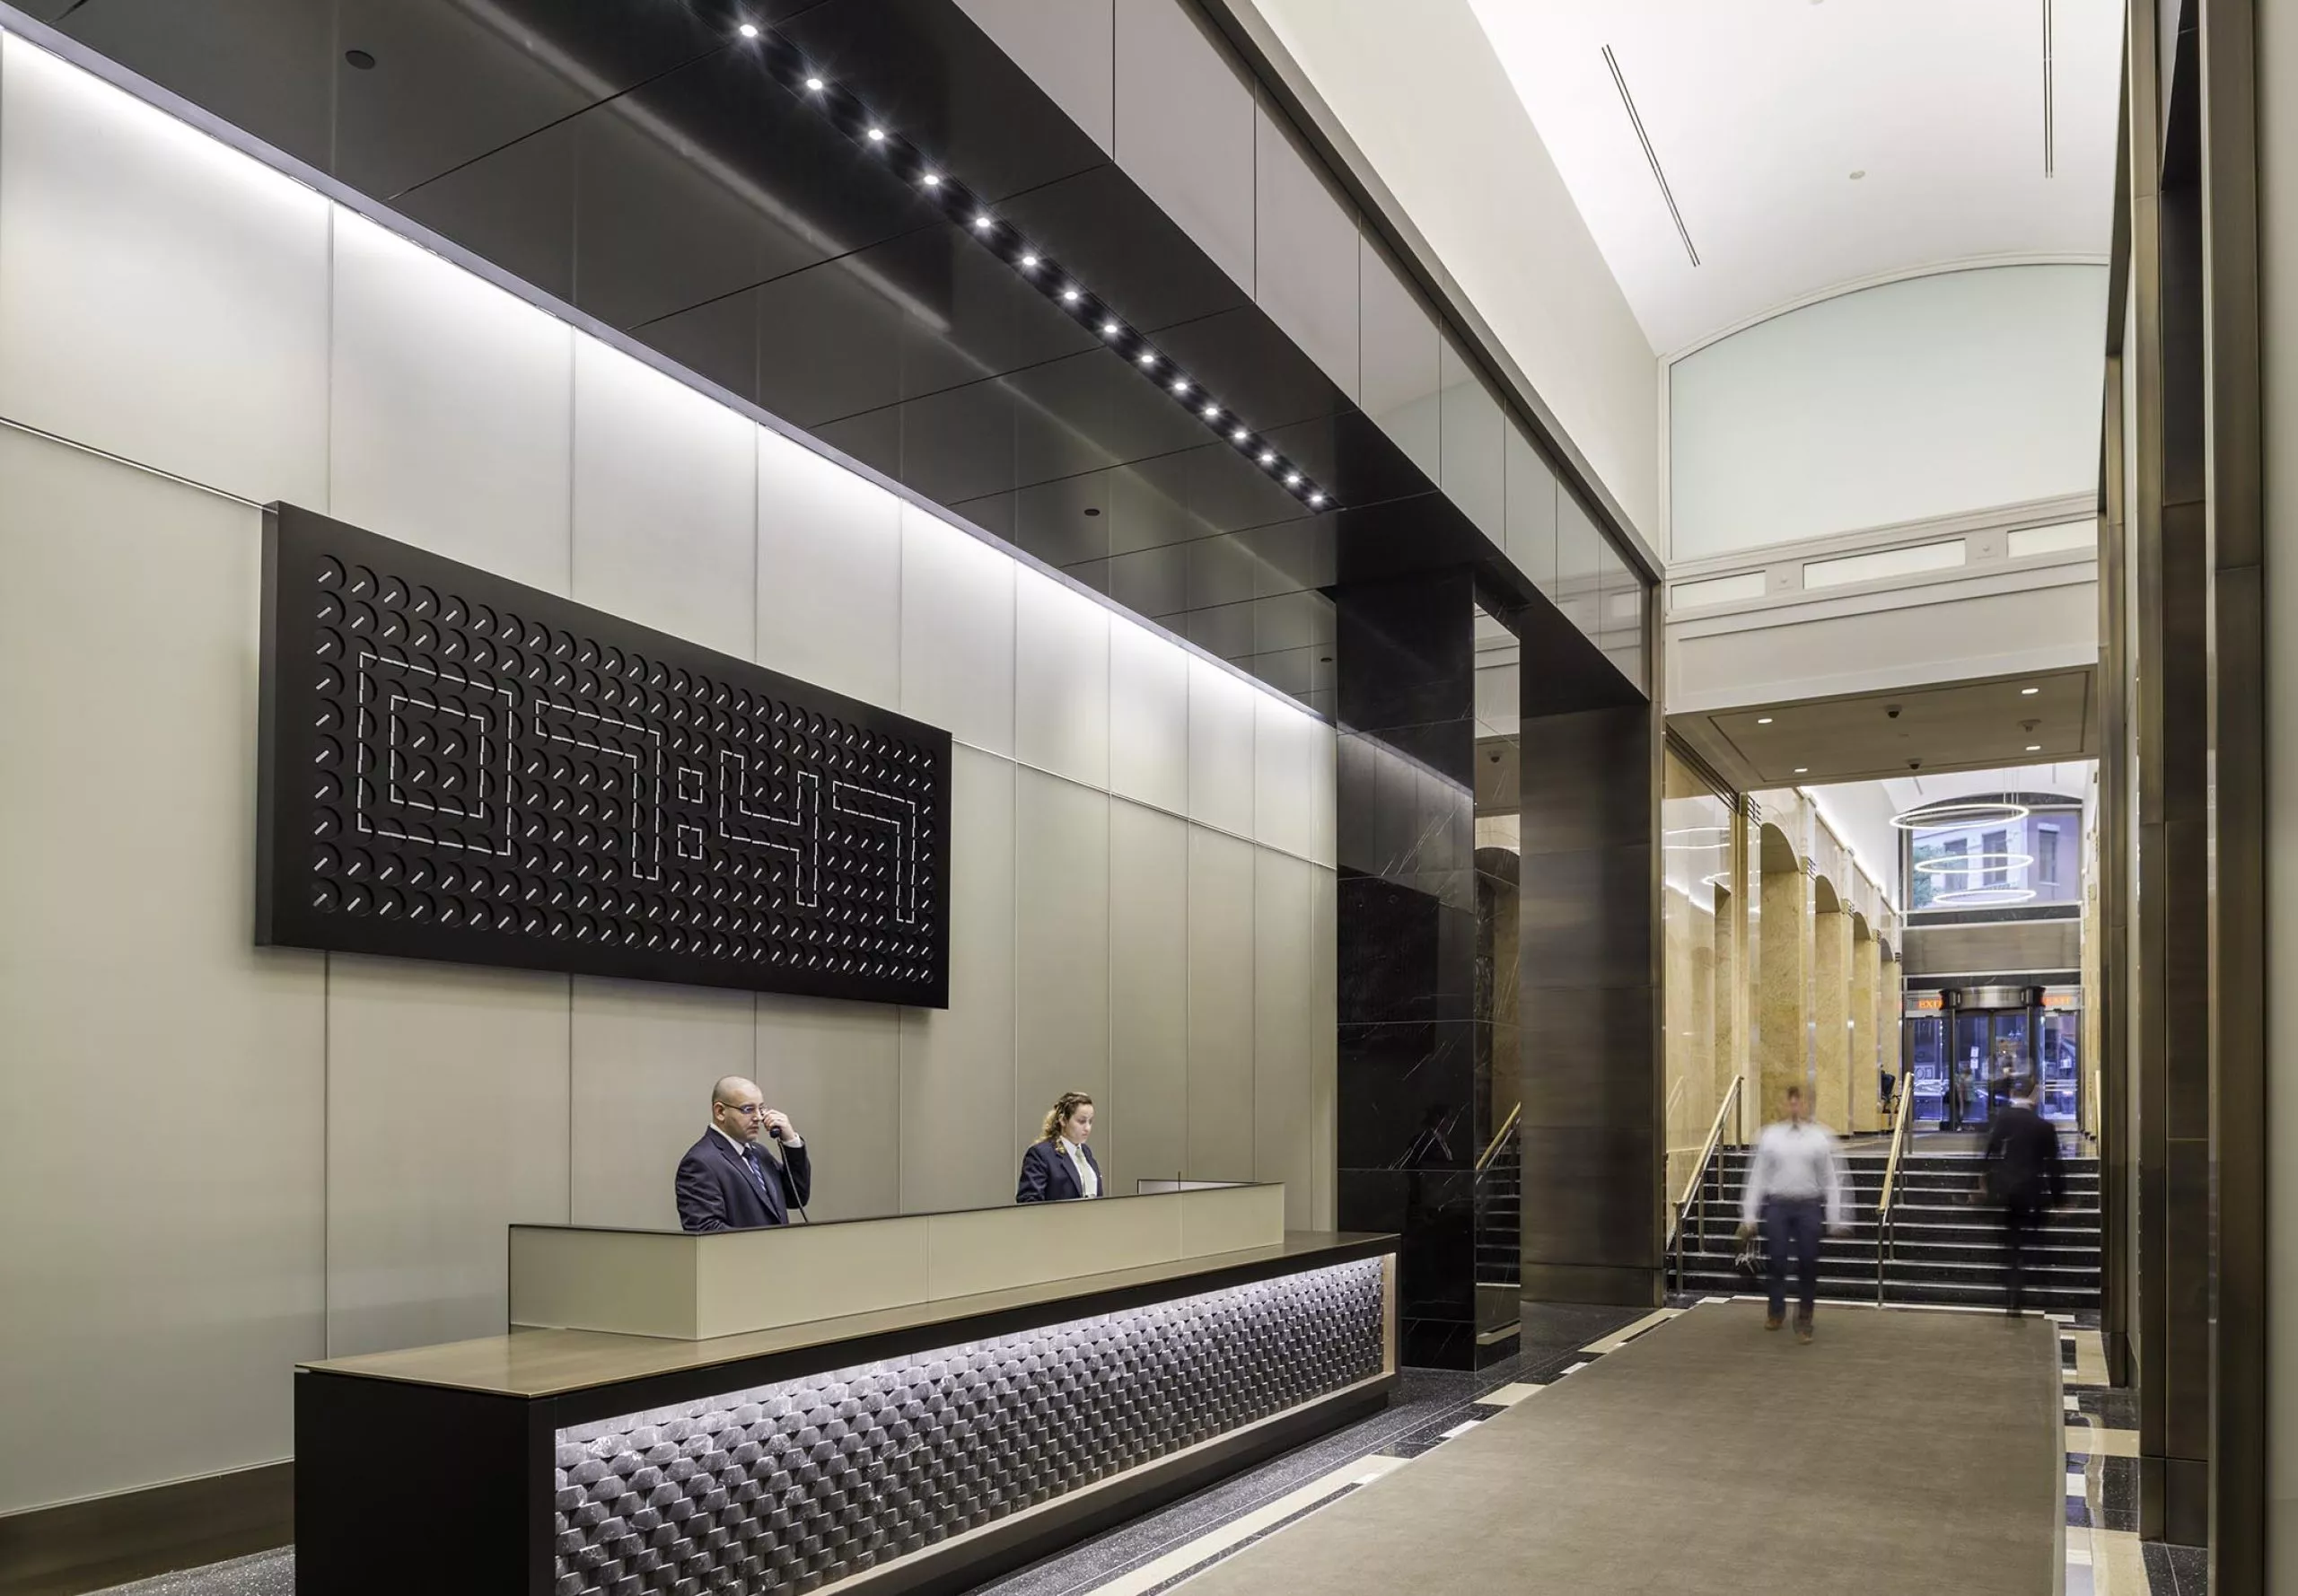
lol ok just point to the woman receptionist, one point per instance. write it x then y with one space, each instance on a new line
1059 1166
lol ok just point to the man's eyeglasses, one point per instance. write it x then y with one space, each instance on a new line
747 1110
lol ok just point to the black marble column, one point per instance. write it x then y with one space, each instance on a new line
1413 1113
1594 1092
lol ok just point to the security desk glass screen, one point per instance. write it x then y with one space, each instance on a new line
459 767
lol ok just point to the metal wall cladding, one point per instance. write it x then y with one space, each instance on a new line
793 1486
2007 947
457 766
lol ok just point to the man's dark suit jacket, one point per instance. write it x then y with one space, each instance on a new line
716 1193
1048 1177
2022 1162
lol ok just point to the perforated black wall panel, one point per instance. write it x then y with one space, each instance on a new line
794 1486
461 768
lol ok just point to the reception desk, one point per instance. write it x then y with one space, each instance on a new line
892 1405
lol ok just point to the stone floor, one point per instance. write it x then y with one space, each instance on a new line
1151 1555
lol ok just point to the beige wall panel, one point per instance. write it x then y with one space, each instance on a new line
1061 679
1183 126
447 1121
1148 717
1061 943
1219 1007
829 573
957 1064
431 364
646 1053
1220 747
1147 1109
957 632
1285 1121
1291 809
162 297
665 502
166 1298
835 1068
1067 49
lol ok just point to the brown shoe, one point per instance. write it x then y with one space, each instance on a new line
1803 1331
1772 1321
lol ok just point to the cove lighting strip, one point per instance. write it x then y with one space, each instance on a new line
846 113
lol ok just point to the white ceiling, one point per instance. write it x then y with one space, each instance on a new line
1759 111
2072 777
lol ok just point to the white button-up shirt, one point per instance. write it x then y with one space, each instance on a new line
1796 1163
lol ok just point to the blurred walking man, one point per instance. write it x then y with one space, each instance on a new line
1794 1185
2025 1175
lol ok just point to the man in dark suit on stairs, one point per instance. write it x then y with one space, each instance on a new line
726 1182
2025 1175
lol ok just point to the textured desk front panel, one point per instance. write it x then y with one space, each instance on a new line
793 1486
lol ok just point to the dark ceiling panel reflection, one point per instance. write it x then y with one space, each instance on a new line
637 160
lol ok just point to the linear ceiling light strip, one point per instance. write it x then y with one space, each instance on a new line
1636 120
2050 114
845 112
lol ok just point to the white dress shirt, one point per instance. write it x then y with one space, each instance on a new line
1089 1179
1796 1162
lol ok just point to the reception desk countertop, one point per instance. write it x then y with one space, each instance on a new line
545 1363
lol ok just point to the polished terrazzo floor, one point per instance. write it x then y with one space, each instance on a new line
1153 1554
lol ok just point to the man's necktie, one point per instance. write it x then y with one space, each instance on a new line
757 1168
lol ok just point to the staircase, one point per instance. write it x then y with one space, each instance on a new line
1949 1238
1499 1215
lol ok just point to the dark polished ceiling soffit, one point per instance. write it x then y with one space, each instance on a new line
646 162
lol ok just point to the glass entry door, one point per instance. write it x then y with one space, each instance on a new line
1926 1060
1992 1051
1965 1106
2060 1054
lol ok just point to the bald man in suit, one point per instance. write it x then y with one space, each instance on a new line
727 1181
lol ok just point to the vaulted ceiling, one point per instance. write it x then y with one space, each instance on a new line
1810 145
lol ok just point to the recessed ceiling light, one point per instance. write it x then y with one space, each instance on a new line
1148 357
747 29
1240 435
1029 262
982 224
1803 770
1213 412
931 179
1181 384
814 84
362 60
1069 295
1315 499
2029 692
1763 720
2034 748
1269 456
1292 479
877 136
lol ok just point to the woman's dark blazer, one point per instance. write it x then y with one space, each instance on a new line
1048 1177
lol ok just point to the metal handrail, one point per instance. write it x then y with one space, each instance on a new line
1499 1136
1696 1186
1886 1236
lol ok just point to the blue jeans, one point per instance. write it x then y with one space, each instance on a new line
1793 1222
